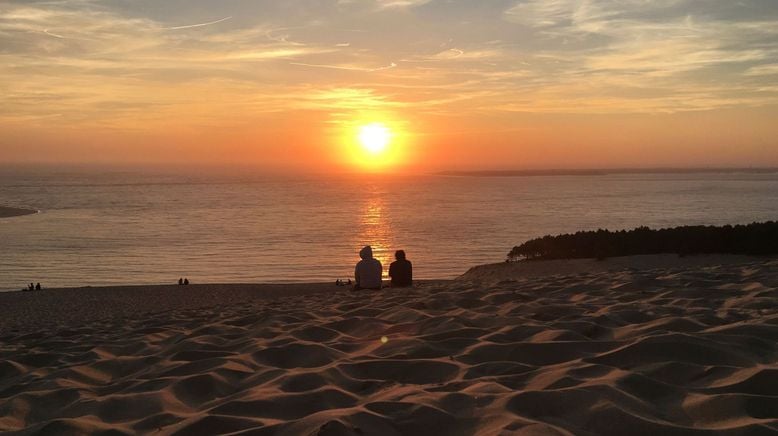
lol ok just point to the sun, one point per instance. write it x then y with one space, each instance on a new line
374 138
373 143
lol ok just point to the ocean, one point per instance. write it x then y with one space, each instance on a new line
148 227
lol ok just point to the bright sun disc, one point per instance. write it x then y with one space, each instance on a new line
374 137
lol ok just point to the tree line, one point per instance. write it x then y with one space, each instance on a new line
751 239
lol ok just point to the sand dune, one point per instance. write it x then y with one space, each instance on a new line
667 349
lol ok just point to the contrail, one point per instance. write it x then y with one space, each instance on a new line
338 67
189 26
46 31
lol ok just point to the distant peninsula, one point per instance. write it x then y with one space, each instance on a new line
605 172
759 239
7 212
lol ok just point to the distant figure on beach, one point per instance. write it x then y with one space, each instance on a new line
180 281
186 281
31 287
401 270
37 286
367 274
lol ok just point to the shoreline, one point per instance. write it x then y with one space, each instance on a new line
488 272
10 212
268 288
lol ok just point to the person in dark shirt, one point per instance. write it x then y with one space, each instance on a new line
401 270
367 273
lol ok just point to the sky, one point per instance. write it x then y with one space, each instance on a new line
491 84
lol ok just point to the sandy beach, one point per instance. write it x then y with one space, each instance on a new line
641 346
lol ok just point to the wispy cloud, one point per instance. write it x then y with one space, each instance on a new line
763 70
401 3
665 48
89 60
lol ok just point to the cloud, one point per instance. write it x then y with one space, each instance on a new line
387 4
663 46
93 65
539 13
90 61
763 70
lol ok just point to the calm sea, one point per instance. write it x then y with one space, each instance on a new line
102 228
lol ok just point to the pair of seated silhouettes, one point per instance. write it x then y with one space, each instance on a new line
367 273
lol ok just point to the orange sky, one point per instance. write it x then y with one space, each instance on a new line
464 85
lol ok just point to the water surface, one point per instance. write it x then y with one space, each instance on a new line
102 228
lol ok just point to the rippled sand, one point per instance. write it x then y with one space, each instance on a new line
683 349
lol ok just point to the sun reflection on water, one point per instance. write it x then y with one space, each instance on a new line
375 229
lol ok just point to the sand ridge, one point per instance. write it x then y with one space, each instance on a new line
684 350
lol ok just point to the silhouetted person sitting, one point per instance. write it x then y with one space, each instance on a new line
180 281
38 287
401 270
31 287
367 274
186 281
